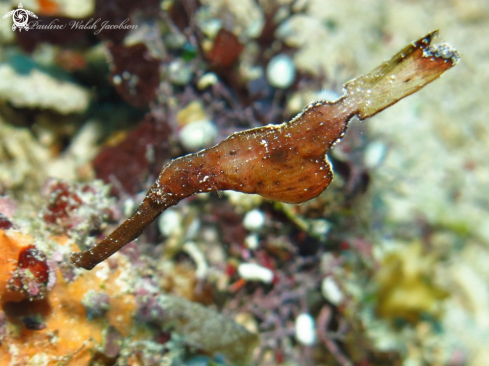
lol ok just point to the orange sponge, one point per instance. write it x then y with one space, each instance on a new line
56 327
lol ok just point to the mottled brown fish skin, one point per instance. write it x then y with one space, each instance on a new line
285 162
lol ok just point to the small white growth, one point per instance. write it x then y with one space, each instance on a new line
264 143
374 154
242 201
331 291
192 229
305 329
211 27
179 73
128 207
252 241
281 71
328 95
170 222
208 79
254 220
196 254
198 135
38 359
442 50
116 79
320 227
255 272
103 271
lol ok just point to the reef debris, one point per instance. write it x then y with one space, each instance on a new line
45 91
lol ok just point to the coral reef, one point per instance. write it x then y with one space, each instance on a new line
388 266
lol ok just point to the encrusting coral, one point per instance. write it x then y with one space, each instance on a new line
58 324
42 324
57 314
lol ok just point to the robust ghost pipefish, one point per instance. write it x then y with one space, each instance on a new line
285 162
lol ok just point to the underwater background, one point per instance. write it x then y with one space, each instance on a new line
388 266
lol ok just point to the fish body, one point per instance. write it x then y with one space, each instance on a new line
285 162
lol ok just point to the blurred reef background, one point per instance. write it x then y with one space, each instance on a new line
389 266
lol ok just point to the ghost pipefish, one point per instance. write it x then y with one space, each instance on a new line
285 162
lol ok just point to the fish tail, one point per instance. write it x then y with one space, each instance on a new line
415 66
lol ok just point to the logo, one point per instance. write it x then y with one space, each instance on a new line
20 17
